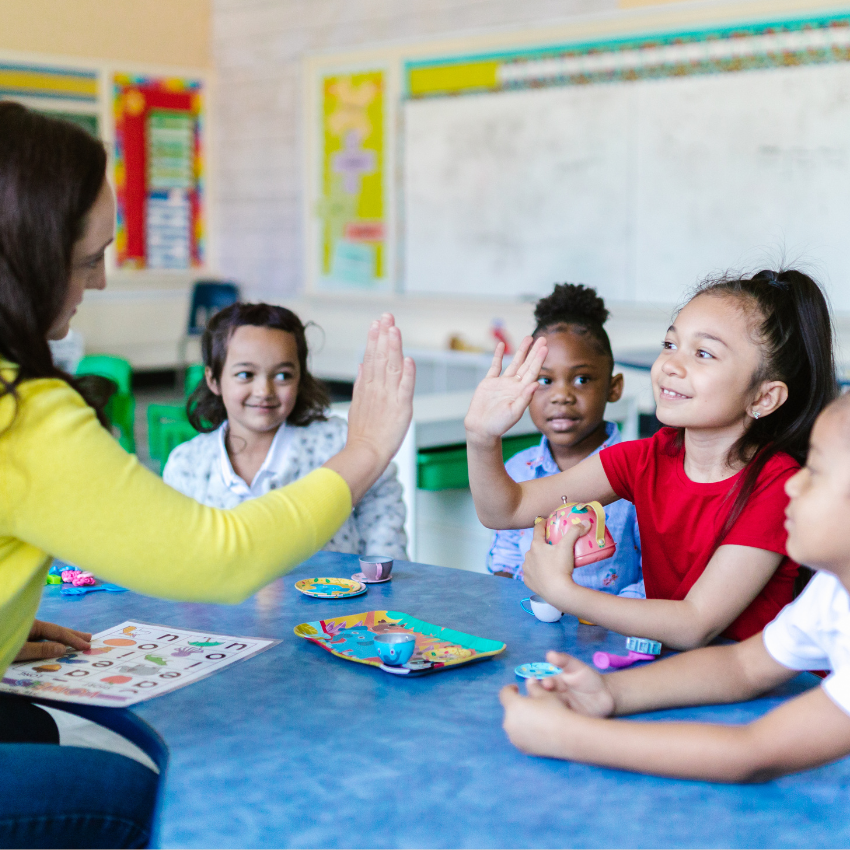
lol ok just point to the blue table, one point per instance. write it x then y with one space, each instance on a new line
297 748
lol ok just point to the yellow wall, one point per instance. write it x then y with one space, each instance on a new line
158 32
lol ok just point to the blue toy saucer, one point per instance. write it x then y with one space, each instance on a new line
537 670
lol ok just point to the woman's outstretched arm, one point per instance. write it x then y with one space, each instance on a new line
497 405
71 491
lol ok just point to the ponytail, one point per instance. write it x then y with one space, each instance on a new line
795 330
577 307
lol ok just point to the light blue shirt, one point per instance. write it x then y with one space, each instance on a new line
620 574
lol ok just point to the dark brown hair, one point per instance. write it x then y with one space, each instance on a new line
206 409
51 172
794 328
578 308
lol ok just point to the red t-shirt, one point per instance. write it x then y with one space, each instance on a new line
680 519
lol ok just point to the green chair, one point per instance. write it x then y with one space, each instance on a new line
121 408
168 426
194 376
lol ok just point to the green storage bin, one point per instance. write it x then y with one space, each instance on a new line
446 467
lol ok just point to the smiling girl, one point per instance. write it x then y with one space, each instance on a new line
576 381
743 372
264 426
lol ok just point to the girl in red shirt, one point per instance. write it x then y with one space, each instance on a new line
743 372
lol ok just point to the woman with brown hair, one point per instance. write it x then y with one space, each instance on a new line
68 490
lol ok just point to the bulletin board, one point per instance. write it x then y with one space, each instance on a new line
351 207
159 170
153 125
634 163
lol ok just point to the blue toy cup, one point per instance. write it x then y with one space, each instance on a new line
395 649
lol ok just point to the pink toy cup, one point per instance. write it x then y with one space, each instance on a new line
596 545
376 567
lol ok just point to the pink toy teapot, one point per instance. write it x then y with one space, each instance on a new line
596 545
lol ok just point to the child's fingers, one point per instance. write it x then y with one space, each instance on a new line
509 695
539 533
518 359
382 346
567 663
496 366
572 534
34 650
530 368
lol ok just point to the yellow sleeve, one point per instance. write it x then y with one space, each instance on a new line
74 493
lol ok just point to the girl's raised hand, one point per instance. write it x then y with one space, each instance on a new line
579 686
501 398
381 408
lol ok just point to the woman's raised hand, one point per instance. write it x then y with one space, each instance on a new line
501 398
381 408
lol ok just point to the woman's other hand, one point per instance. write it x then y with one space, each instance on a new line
501 399
47 640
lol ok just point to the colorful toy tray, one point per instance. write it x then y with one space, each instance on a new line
437 648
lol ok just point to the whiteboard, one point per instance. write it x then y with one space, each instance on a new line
639 189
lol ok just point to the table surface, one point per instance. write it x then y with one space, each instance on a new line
298 748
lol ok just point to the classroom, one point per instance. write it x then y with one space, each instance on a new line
532 319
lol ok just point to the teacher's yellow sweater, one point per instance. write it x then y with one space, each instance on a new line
67 489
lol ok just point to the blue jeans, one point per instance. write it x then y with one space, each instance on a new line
56 796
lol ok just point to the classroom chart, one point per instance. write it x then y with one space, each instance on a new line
129 663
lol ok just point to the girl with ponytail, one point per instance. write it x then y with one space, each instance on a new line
743 372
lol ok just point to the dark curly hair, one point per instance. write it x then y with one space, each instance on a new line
206 409
577 307
792 322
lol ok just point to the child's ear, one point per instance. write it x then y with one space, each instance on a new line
211 381
771 396
615 388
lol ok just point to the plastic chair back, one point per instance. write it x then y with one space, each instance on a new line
107 366
208 297
194 376
168 426
121 408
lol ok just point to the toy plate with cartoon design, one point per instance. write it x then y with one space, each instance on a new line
330 588
437 648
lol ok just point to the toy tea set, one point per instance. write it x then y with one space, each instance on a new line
391 640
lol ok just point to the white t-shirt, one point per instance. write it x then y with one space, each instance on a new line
813 633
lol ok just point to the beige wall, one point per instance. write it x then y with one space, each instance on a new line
159 32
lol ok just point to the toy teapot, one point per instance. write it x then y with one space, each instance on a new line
596 545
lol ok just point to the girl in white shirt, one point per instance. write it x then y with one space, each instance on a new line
263 423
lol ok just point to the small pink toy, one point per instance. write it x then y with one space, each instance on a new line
596 545
604 660
78 578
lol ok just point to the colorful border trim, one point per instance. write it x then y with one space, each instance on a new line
751 47
33 81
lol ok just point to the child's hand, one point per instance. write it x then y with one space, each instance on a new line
548 570
535 723
47 640
579 686
500 399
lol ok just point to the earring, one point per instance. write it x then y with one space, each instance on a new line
756 414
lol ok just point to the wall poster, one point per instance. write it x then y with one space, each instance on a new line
159 175
351 204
